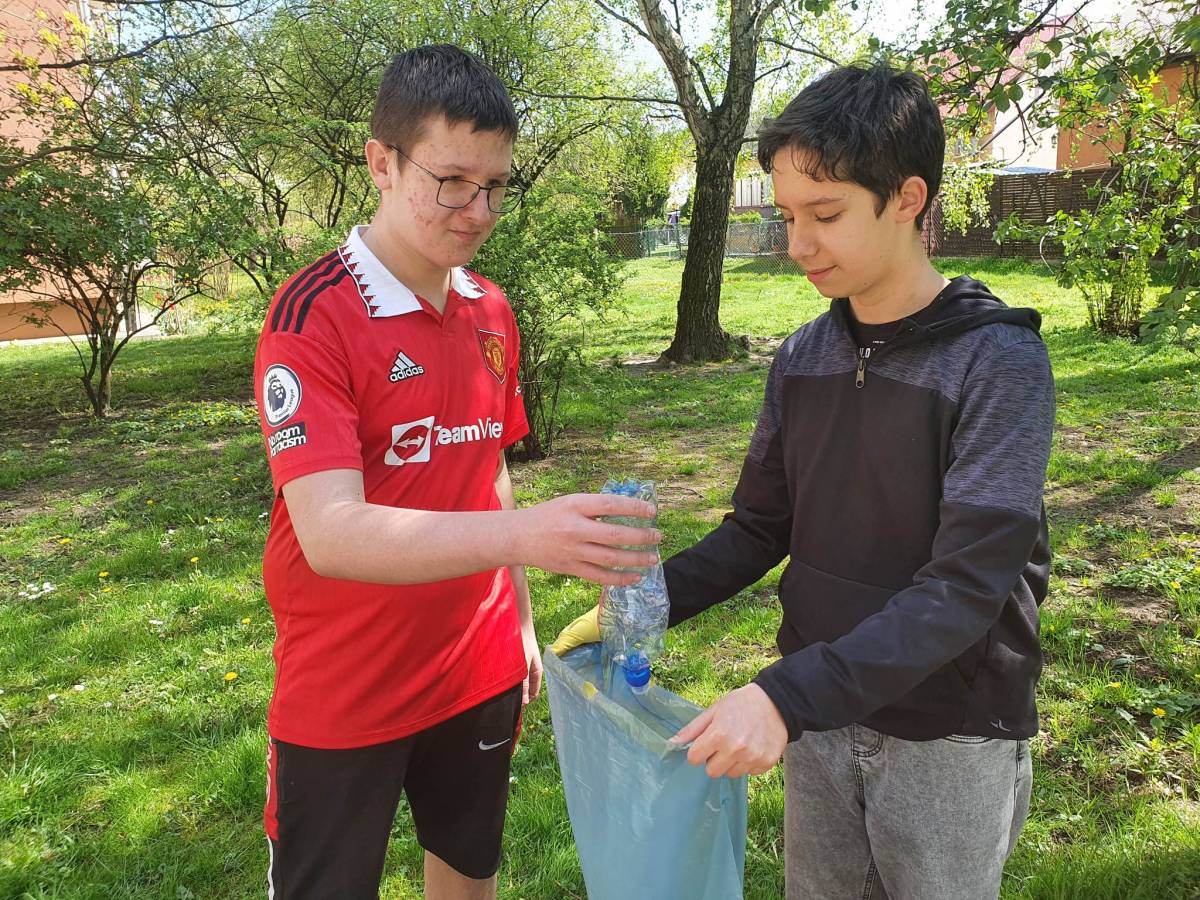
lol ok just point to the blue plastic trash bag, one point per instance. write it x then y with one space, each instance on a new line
647 824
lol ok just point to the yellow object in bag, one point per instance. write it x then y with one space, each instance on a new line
584 630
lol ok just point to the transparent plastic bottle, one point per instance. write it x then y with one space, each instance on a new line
633 618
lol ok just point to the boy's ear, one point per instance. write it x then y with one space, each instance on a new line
910 199
380 161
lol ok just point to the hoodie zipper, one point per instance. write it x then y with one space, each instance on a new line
865 354
860 376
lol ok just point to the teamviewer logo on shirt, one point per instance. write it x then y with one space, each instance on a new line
410 443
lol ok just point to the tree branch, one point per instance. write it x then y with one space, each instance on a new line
129 54
620 18
771 72
699 70
762 16
658 100
809 51
1018 117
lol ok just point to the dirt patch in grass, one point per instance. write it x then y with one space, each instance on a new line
1182 514
1143 609
762 353
1171 505
584 452
1132 508
1122 651
1128 431
43 495
106 466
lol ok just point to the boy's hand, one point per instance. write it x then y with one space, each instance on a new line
532 685
584 630
740 734
562 535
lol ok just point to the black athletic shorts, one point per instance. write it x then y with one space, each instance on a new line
329 812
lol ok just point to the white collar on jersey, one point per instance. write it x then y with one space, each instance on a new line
383 293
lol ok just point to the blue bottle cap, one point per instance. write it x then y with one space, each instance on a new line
637 670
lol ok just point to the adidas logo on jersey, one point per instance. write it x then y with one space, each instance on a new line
404 368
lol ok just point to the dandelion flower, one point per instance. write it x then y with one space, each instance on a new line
1159 712
231 676
149 502
246 620
1114 684
64 540
194 560
104 574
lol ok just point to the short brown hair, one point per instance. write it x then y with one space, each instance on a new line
439 79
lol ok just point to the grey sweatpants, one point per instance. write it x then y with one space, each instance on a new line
873 817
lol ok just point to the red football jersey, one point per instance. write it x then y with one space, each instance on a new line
355 372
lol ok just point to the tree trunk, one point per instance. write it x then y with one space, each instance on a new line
99 389
699 336
98 382
104 393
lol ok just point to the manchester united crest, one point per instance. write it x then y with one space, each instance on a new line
492 344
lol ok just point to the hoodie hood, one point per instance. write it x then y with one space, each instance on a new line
962 305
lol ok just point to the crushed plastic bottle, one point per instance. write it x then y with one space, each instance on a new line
640 490
633 618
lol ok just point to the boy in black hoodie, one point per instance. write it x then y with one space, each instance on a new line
898 462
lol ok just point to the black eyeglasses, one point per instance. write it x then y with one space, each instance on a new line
456 193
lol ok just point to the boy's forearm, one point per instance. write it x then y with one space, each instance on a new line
712 571
368 542
343 536
751 541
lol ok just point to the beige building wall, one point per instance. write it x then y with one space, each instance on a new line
1091 147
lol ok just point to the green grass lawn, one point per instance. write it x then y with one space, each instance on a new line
134 685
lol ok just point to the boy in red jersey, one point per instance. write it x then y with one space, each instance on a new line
388 389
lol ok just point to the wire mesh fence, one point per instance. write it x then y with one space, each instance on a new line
1032 197
762 243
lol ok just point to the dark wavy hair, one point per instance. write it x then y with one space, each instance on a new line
869 125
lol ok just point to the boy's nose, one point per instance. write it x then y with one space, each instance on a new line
477 210
800 247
